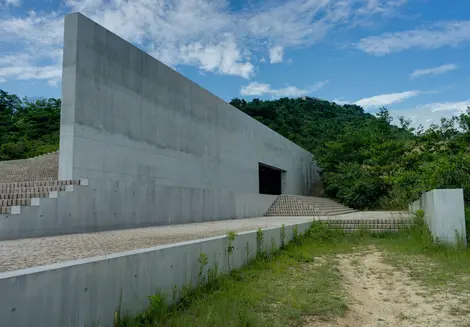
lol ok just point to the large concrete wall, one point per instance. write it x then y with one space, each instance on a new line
84 292
127 117
106 204
444 214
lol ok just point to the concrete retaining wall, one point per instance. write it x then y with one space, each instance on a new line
107 204
444 214
75 293
127 117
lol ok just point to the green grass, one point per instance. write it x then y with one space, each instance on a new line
303 280
436 265
280 290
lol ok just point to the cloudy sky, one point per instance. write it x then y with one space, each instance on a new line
411 56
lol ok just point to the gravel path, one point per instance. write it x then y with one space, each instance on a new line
25 253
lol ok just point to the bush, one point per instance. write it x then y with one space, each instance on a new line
356 186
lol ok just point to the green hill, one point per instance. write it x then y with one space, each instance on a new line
28 127
367 162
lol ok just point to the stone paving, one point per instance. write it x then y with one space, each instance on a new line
24 253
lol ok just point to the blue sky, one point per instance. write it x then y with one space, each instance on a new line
411 56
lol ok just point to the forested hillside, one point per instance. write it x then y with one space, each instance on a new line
367 161
28 127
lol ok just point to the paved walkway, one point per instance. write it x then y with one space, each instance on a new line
24 253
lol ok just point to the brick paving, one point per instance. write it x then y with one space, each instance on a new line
24 253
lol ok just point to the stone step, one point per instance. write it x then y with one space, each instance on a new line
8 186
337 213
35 189
6 196
44 167
15 202
294 205
330 208
39 183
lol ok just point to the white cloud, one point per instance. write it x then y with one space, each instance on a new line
260 89
275 54
202 33
386 99
15 3
340 101
431 113
224 58
456 107
434 71
448 33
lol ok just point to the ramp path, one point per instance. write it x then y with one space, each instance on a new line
31 252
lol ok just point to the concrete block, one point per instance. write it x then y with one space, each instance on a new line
444 214
15 210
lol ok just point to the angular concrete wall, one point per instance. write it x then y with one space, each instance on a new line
106 205
127 117
83 292
444 214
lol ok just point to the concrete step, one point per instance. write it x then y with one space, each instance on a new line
35 189
43 167
8 196
38 184
330 208
294 205
15 202
337 213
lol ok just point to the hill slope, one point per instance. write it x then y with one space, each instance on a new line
367 162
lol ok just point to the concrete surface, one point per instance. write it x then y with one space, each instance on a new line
444 214
111 205
129 119
87 291
25 253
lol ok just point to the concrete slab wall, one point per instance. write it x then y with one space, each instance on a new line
109 204
127 117
76 293
444 214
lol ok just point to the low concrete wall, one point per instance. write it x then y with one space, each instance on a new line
106 205
80 292
444 213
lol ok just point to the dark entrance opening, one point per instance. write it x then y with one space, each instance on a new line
269 180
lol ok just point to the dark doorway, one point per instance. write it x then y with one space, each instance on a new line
269 180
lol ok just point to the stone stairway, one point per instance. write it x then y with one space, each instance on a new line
45 167
393 223
24 182
297 205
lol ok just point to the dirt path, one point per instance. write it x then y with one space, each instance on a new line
385 296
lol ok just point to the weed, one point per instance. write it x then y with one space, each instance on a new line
212 277
203 261
247 252
259 240
283 236
273 246
295 237
174 294
231 237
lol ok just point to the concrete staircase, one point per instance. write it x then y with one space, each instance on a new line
389 224
45 167
297 205
24 182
